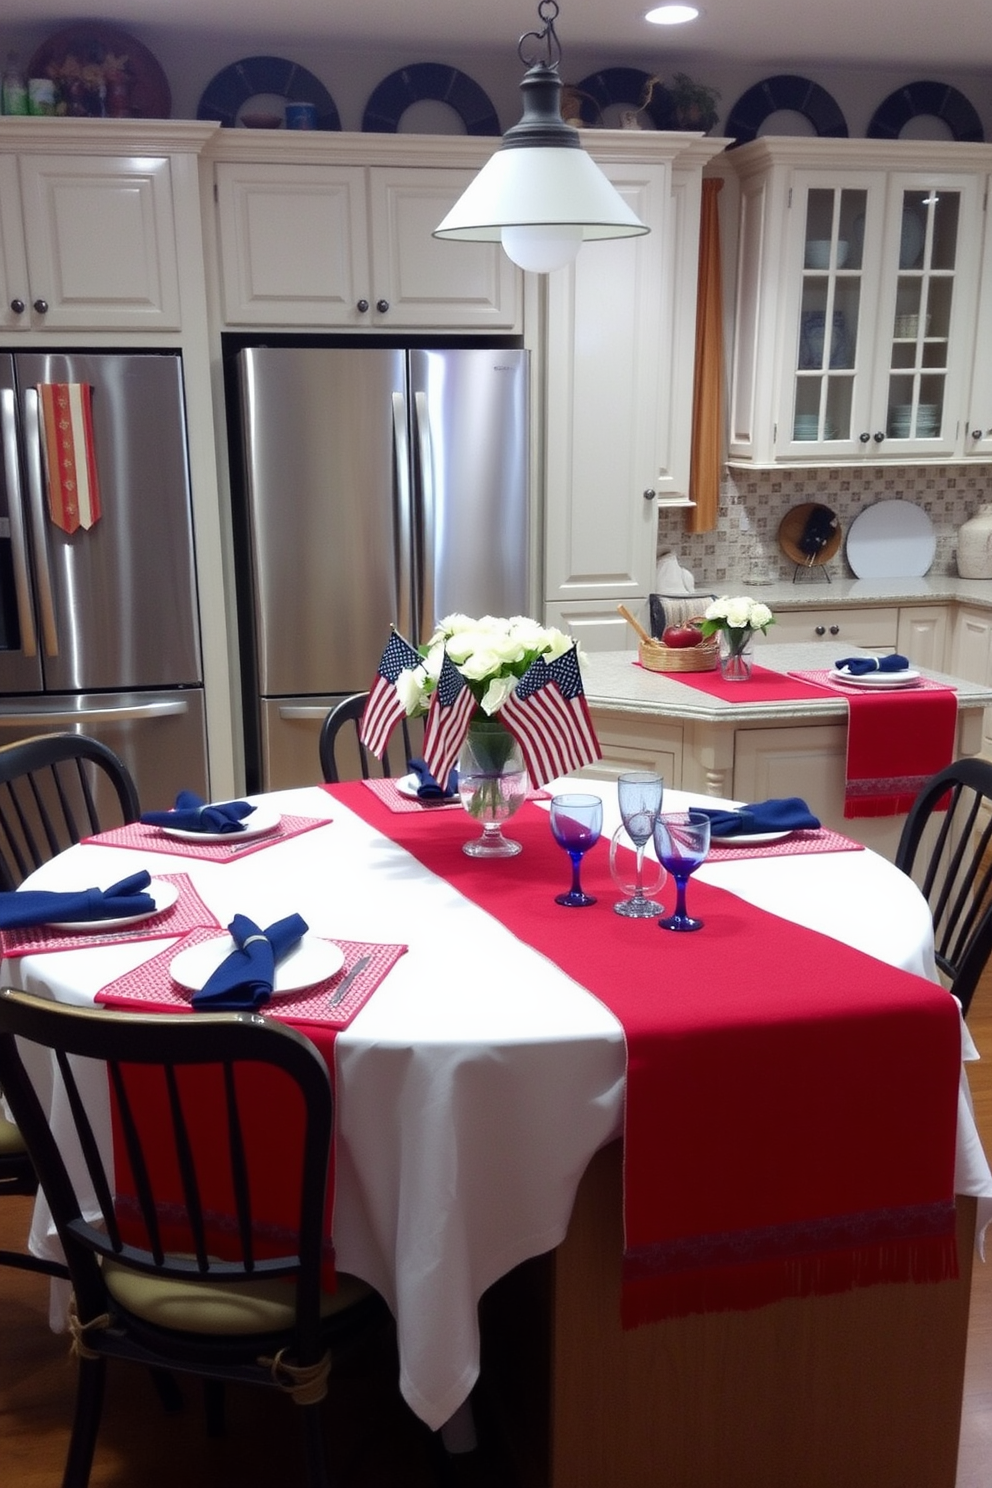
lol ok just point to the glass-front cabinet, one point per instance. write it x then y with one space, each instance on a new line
857 294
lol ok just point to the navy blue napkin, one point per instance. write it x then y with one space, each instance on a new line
427 787
860 666
44 906
780 814
191 814
244 979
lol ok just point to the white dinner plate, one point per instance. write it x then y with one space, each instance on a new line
891 539
907 678
256 825
312 961
164 894
750 839
407 786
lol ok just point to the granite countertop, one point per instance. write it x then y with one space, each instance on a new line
815 594
612 680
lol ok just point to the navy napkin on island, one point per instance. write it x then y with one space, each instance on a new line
780 814
192 814
861 666
244 979
24 907
428 788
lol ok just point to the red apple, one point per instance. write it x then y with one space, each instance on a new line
682 635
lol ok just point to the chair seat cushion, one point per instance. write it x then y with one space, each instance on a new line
229 1308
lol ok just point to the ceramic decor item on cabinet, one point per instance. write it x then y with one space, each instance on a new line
975 545
796 94
257 86
102 71
917 99
432 81
892 539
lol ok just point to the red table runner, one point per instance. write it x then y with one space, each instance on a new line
895 741
764 686
791 1103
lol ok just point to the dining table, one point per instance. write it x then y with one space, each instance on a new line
477 1083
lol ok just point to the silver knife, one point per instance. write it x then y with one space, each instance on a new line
348 978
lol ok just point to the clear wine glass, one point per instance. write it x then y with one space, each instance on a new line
639 794
576 822
682 840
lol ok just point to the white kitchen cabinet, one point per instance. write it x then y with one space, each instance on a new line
858 274
978 432
922 636
971 657
619 357
874 629
632 742
88 242
350 246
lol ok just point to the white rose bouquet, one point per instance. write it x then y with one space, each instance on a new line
490 653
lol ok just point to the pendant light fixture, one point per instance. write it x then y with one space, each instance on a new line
540 194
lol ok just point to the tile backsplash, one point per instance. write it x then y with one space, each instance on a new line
744 547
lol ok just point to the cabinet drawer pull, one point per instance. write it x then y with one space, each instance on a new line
41 306
649 494
820 630
362 307
864 437
382 306
17 306
878 437
835 630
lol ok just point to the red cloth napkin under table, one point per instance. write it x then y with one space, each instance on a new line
791 1103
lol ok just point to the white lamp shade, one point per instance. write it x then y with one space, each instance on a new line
539 186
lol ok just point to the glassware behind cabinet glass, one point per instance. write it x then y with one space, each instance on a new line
639 794
576 822
682 840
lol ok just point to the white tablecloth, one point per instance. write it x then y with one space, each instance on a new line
478 1081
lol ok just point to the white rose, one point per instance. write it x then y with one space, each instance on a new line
760 615
738 613
410 686
497 693
718 609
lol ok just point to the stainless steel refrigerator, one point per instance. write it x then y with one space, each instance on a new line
99 630
380 485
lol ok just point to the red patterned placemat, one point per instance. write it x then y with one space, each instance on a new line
807 840
395 800
151 839
846 689
188 913
150 988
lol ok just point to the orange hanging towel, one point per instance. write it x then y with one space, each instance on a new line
70 456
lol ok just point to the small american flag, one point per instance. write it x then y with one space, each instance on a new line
451 710
548 716
384 708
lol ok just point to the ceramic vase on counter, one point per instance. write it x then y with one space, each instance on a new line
975 545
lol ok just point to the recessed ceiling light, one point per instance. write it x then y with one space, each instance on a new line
672 15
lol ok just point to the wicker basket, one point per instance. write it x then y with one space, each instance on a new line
658 657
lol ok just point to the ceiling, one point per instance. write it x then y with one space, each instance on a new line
923 35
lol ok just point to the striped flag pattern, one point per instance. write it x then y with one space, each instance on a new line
70 457
548 716
384 708
452 706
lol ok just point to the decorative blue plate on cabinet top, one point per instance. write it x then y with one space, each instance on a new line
796 94
429 80
938 99
265 77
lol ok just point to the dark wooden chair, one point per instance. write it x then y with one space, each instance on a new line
56 789
341 757
186 1096
946 848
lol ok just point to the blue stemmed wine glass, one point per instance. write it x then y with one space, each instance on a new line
682 840
639 794
576 822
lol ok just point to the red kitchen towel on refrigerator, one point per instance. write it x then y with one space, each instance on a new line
895 741
70 456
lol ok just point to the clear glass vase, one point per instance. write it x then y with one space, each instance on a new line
736 654
492 783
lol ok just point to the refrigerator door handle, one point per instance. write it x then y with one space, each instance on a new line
425 467
18 536
403 496
125 713
304 710
36 492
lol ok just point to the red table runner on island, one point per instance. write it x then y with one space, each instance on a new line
791 1103
763 686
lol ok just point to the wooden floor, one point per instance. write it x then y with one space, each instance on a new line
372 1437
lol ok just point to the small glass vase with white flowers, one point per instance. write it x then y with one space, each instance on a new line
735 621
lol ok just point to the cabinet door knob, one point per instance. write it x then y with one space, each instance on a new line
362 307
878 437
835 630
864 438
649 494
382 306
17 306
975 433
41 306
819 630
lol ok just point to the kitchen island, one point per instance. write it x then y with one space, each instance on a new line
748 751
